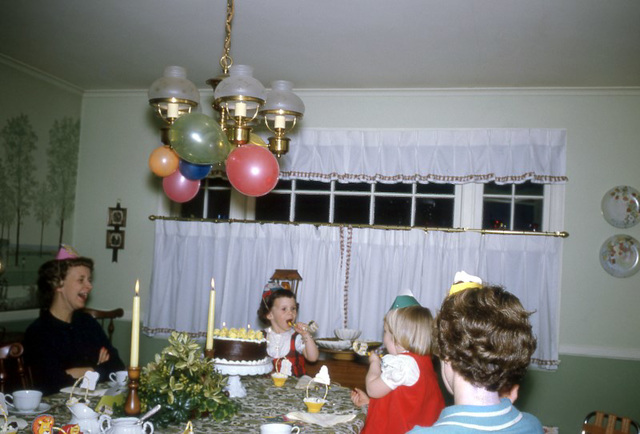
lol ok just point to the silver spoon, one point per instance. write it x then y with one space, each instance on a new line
148 414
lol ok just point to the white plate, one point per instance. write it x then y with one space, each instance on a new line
621 206
78 391
334 345
620 256
41 409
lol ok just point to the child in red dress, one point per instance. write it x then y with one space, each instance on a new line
402 387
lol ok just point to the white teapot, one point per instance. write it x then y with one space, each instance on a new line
125 425
89 421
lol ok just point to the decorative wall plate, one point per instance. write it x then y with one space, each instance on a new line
621 206
620 256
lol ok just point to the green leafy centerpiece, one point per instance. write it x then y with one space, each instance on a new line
185 383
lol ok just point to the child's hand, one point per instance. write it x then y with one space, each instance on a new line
359 397
103 356
374 359
301 328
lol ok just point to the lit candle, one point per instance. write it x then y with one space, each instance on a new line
241 109
211 316
279 122
135 328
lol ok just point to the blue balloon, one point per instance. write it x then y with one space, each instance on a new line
192 171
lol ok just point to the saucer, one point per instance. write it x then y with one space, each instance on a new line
41 409
113 384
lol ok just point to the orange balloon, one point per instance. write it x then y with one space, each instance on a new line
163 161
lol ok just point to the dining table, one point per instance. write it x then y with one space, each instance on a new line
264 403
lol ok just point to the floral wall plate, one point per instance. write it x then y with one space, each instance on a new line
621 206
620 256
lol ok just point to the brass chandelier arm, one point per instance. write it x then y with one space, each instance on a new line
560 234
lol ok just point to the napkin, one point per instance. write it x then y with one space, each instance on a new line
303 382
322 419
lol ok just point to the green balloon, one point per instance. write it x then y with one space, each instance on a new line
198 139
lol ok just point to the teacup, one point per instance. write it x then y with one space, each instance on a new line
24 400
119 377
278 428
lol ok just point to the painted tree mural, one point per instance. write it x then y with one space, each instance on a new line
64 141
7 216
19 141
43 209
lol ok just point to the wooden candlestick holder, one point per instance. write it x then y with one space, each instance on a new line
208 353
132 403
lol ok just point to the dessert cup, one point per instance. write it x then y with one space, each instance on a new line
314 404
278 379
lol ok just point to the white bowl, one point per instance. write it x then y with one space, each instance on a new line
347 334
333 345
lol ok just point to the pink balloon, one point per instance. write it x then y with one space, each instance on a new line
180 189
252 170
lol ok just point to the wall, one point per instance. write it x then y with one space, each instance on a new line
599 342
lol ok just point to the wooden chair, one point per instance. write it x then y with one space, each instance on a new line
11 361
598 422
106 315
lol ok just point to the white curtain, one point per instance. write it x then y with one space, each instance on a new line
351 276
503 155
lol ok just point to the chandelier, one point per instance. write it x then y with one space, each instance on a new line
194 143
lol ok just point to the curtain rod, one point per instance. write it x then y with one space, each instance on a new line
561 234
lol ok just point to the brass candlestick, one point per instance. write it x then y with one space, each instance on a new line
132 403
209 353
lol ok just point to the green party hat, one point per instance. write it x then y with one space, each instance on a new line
405 298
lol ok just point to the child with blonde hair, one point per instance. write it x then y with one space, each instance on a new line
402 387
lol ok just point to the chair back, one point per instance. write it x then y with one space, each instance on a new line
598 422
13 373
107 316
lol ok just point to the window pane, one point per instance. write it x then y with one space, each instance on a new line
392 211
493 188
273 206
195 207
353 186
312 208
528 215
313 185
394 188
496 213
219 202
351 209
283 185
436 188
530 189
434 213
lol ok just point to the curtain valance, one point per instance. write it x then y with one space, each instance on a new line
503 155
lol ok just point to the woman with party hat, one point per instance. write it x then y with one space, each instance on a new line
65 342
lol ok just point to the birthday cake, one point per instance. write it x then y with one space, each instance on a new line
239 346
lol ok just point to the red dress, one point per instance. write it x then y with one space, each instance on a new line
296 359
407 406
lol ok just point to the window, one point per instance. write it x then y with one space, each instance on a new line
520 207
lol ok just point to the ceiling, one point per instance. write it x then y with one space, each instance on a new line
331 44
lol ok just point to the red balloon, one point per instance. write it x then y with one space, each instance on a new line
180 189
252 170
163 161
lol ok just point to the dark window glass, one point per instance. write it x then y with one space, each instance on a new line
496 213
394 188
195 207
358 186
273 207
219 202
528 215
351 209
493 188
313 185
529 189
312 208
394 211
283 185
436 213
436 188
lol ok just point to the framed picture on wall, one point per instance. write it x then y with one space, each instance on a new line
115 239
117 217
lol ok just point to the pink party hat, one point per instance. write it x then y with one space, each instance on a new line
66 252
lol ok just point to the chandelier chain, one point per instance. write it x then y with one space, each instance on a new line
226 61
